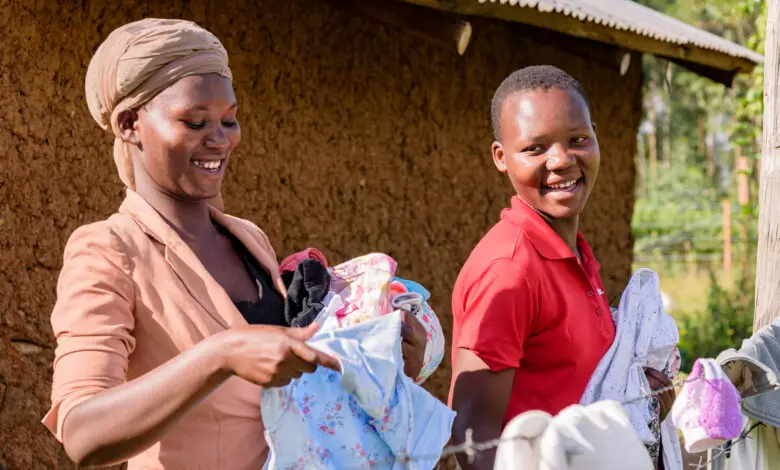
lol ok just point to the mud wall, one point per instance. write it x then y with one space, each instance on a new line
357 138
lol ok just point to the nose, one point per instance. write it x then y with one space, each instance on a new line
558 159
217 139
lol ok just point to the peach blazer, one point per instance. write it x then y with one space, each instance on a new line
132 295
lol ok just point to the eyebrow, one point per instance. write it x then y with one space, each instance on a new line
206 108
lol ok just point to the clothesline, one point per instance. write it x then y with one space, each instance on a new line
726 449
471 448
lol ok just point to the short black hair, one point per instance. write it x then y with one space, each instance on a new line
535 77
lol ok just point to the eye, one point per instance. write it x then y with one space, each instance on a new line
195 125
579 140
534 149
230 123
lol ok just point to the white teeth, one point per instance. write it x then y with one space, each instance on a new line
209 165
565 185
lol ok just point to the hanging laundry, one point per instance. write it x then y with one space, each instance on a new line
754 370
593 437
645 336
367 416
290 263
305 293
707 409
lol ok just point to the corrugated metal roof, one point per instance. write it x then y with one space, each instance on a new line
630 16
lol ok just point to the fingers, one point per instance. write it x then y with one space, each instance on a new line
412 330
314 358
301 360
667 402
302 334
656 379
328 361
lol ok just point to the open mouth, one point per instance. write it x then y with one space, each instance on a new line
564 187
212 166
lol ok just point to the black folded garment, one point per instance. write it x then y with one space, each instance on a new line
306 289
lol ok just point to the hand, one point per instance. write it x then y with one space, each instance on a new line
414 341
272 356
658 381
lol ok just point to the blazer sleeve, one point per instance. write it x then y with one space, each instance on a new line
92 320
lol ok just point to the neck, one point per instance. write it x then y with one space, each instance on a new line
567 230
191 220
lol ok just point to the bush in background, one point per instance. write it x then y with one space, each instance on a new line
726 321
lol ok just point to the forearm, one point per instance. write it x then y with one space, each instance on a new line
480 398
118 423
481 431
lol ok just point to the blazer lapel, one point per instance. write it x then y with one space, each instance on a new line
183 261
250 239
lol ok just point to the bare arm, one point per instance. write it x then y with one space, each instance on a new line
118 423
480 397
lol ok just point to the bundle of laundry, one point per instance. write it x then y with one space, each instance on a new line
370 415
645 336
593 437
368 288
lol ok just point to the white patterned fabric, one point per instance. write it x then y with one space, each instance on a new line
645 336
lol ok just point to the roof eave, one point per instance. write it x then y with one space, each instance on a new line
715 65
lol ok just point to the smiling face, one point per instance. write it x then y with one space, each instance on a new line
549 150
182 139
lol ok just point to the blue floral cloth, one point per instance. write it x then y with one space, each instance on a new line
367 416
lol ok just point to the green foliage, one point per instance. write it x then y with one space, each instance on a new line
681 202
726 321
678 209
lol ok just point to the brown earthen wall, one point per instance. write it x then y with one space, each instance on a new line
357 138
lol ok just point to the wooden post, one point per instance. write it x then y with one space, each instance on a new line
727 237
743 198
652 143
641 162
710 149
768 261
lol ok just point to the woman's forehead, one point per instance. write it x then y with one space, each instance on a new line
198 91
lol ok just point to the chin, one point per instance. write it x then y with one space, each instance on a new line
562 213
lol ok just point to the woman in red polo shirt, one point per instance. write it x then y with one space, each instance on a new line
531 319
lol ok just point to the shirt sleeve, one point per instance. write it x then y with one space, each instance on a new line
497 313
92 320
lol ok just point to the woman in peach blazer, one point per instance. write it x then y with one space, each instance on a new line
169 314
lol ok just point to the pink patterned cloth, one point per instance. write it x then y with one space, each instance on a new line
367 287
363 284
291 262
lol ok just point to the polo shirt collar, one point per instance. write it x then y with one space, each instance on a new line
544 239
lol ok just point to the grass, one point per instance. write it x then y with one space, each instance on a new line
686 285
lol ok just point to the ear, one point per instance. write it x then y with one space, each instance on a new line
499 156
128 126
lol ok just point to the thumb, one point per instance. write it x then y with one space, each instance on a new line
305 333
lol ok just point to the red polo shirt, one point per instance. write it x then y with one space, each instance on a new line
524 301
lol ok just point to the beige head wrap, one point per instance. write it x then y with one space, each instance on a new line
139 60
